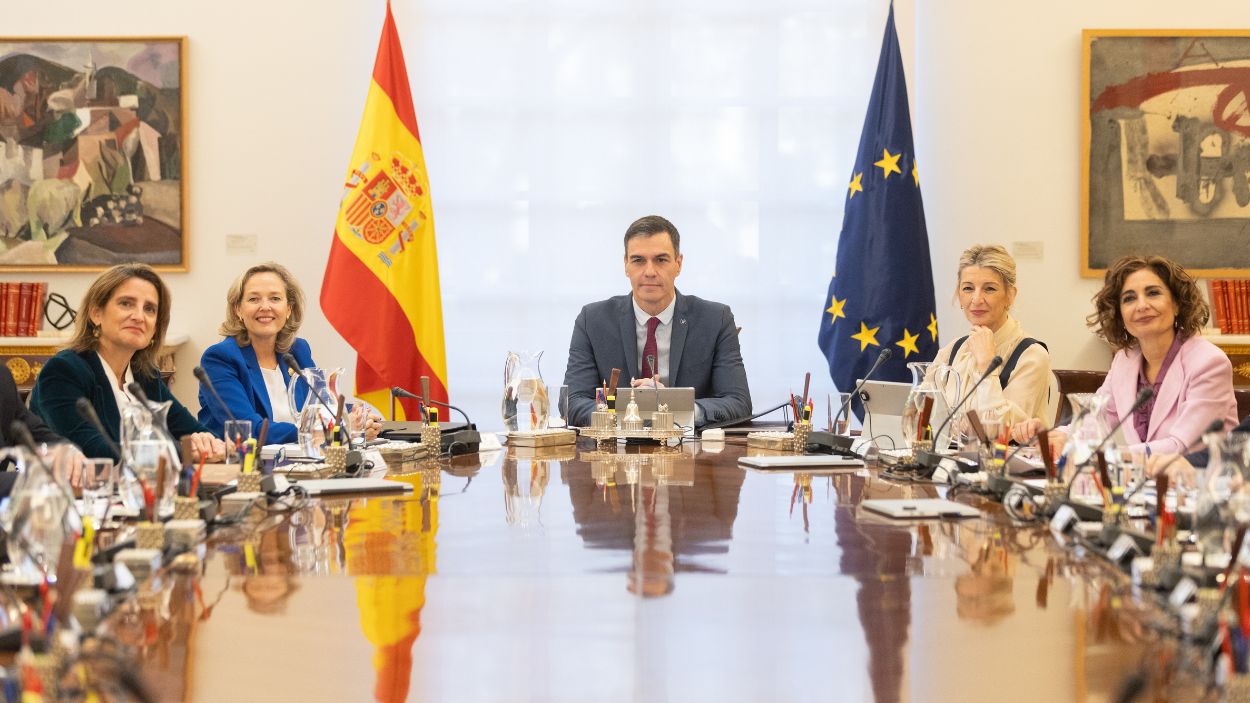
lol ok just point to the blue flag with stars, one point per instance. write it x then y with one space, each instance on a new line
881 293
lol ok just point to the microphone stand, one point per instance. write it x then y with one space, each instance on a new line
926 462
843 445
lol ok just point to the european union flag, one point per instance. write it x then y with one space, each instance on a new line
881 294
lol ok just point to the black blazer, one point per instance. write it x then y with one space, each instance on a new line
71 375
13 409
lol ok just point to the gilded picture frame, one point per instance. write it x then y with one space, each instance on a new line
93 168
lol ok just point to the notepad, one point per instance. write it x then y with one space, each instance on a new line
920 508
793 461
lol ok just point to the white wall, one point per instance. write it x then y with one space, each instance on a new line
998 138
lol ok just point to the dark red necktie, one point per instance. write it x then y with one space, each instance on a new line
650 352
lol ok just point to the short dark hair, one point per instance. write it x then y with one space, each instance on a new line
652 225
1106 321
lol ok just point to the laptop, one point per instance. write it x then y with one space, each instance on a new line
799 461
920 508
680 402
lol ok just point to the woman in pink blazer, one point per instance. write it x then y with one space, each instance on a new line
1151 312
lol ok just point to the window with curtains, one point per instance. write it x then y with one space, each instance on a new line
549 126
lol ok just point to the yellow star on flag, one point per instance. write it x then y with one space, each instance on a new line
856 185
915 173
889 163
866 336
933 326
909 343
835 309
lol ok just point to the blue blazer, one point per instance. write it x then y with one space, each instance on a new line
71 375
236 376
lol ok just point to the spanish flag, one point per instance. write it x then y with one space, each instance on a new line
381 284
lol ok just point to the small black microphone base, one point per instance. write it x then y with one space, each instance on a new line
830 443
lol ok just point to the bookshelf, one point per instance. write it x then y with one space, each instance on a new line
25 356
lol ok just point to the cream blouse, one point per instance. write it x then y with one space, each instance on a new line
1026 393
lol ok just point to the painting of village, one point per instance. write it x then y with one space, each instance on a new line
91 154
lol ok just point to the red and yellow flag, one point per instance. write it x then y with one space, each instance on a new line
381 284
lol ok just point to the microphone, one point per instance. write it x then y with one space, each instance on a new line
930 459
87 412
137 391
842 444
1143 395
405 394
202 376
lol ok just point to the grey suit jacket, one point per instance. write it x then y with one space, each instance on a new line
703 354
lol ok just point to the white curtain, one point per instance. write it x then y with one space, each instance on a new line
549 126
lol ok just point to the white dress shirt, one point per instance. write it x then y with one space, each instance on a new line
663 336
277 395
120 394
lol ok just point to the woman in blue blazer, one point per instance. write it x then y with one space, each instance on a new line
264 310
119 332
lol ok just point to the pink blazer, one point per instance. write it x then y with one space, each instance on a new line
1198 388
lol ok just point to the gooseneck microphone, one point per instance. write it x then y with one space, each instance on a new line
883 357
137 391
929 460
202 376
1143 395
994 364
401 393
87 413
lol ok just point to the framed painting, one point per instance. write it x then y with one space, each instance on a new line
1165 143
92 153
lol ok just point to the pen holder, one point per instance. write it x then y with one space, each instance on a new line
186 508
1166 555
1056 492
249 482
150 535
336 457
432 437
801 431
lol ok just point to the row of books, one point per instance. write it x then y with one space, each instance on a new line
21 308
1230 305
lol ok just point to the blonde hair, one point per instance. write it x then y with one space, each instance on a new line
990 256
87 333
234 327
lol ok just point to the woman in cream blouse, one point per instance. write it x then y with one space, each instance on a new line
986 290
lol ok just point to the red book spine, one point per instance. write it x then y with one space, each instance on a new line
13 302
1226 296
36 318
4 308
25 304
1213 294
1239 296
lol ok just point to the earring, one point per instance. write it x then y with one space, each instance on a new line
95 330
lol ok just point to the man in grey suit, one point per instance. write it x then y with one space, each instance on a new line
657 331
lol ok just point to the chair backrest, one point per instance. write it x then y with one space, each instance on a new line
1074 381
1243 402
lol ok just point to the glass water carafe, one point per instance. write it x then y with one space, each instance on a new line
313 417
146 444
525 404
940 384
39 518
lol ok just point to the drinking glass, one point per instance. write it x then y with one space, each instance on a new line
559 413
236 434
99 476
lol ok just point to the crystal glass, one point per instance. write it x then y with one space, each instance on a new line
38 518
559 395
99 477
526 406
939 384
144 460
307 397
1089 428
236 434
1223 501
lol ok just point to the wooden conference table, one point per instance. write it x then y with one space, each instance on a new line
585 576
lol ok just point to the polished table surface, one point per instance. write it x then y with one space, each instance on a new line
567 574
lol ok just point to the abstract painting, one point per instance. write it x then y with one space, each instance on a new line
92 153
1166 148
